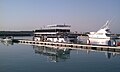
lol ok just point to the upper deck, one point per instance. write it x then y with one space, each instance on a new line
55 28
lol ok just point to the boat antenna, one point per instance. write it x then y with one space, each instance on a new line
106 24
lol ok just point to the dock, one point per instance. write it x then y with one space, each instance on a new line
70 45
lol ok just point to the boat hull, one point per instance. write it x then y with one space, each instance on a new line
107 41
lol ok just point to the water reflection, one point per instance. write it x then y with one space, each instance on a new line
60 54
54 54
6 42
110 55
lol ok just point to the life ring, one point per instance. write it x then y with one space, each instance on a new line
88 41
114 43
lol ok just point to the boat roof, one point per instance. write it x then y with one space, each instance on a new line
58 25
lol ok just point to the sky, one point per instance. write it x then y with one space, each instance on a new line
82 15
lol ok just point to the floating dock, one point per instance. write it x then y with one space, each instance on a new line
71 46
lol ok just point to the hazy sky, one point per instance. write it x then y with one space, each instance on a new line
82 15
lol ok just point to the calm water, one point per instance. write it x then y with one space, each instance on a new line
26 58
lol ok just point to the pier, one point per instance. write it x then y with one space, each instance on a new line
70 46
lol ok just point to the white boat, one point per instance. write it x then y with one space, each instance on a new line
9 38
55 33
102 37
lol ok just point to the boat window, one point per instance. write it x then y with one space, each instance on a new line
99 33
108 34
53 30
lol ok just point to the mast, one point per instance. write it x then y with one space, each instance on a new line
106 25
